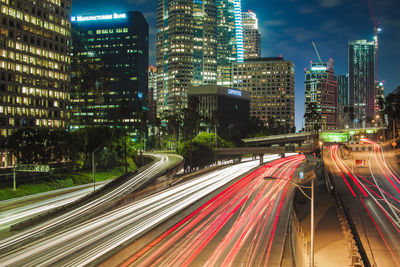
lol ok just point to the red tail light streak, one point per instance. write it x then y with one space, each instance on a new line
238 225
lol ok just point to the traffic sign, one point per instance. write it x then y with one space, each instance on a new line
394 144
32 168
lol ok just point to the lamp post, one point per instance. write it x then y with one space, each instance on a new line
321 146
300 187
94 167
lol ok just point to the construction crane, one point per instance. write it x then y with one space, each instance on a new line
377 30
316 51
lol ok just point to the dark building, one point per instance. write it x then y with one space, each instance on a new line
362 80
343 98
109 83
227 107
34 66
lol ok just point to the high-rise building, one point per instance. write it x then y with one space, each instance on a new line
343 89
186 50
152 94
321 88
362 80
34 64
251 35
270 84
195 41
225 108
343 98
109 69
229 38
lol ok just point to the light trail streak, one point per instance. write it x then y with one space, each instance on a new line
252 204
39 230
376 193
81 244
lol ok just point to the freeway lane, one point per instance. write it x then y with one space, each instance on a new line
32 205
83 243
372 195
14 241
235 228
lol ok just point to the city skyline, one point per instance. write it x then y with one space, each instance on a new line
288 27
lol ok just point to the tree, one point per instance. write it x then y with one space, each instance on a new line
209 140
191 119
197 154
392 110
313 120
257 127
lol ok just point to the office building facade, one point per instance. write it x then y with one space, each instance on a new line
343 99
109 83
270 83
223 107
152 94
362 80
229 39
34 64
186 50
251 35
321 88
197 41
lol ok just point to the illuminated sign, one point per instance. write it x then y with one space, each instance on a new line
234 92
334 137
318 68
99 17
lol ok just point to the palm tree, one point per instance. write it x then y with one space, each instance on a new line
191 119
313 120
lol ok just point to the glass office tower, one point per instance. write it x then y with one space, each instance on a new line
109 69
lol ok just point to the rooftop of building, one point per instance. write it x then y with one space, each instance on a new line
265 59
214 89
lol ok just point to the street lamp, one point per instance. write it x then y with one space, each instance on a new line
321 146
94 166
300 187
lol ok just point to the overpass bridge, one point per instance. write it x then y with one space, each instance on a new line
239 152
300 138
281 140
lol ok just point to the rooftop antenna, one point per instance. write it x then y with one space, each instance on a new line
316 51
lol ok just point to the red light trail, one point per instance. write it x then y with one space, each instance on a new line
238 225
373 191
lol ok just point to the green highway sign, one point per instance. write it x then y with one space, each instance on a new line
334 137
32 168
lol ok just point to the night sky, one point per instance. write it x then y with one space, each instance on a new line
289 26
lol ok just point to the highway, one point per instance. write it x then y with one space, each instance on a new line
79 213
372 195
23 208
238 227
81 244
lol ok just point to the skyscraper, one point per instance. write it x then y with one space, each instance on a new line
186 50
321 88
362 80
195 41
343 97
270 84
109 69
152 94
34 64
229 38
251 35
